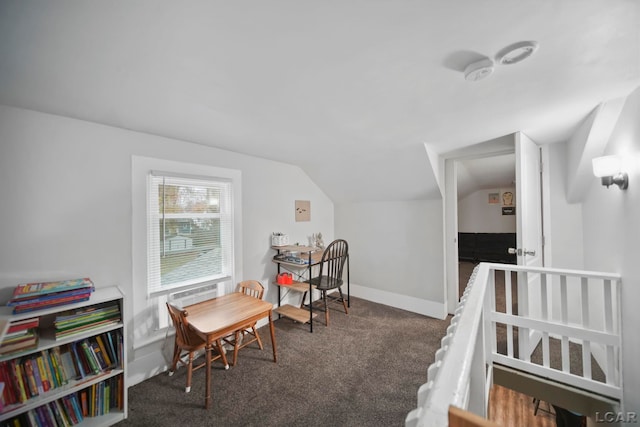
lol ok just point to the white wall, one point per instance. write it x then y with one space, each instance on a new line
396 251
67 205
611 220
564 228
476 215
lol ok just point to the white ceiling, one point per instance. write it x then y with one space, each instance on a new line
350 91
486 173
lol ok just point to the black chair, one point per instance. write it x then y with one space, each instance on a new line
330 272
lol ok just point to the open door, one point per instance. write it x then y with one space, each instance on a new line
529 204
529 236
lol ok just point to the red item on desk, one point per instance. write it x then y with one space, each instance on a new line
284 279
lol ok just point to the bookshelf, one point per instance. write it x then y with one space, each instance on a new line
54 396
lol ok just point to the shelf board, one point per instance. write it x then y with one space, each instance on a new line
295 286
298 314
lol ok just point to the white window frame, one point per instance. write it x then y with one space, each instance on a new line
153 237
149 310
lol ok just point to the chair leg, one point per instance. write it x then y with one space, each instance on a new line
344 303
222 353
326 309
189 372
255 334
176 358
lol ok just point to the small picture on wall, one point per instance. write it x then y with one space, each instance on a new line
494 198
303 210
507 198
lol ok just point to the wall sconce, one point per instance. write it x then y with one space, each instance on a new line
609 170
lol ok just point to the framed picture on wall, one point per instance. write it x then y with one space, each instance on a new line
494 198
507 198
303 210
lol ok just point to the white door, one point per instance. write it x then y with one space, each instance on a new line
529 202
529 249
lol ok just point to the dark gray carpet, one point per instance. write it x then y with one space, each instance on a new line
362 370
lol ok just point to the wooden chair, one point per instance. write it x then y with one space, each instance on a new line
187 343
330 274
255 289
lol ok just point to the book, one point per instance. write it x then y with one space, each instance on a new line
66 421
68 364
24 324
68 407
44 374
20 344
91 357
112 349
48 365
51 303
8 394
84 328
102 362
28 290
18 379
76 406
53 408
47 298
79 361
103 350
83 403
57 361
32 386
36 374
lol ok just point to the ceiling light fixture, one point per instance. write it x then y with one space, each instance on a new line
516 52
478 70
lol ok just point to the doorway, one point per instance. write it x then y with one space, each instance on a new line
486 220
489 151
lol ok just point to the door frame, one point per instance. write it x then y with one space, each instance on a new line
500 146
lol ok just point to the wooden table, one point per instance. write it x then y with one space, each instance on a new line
218 317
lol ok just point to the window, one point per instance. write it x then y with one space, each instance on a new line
186 238
190 229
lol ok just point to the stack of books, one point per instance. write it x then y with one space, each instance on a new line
86 318
38 296
20 336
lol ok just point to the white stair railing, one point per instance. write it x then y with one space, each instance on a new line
579 311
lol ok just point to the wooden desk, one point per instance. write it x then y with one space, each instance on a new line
218 317
312 256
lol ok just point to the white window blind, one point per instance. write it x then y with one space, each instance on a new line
189 231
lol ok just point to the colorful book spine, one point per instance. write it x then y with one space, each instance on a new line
104 351
17 370
102 362
44 374
30 289
80 364
112 349
48 365
49 304
91 357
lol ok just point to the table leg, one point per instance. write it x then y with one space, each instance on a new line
207 394
273 336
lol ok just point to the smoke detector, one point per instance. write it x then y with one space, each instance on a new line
478 70
516 52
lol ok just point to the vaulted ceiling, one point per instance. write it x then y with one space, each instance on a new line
351 91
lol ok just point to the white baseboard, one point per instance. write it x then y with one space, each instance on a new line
425 307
